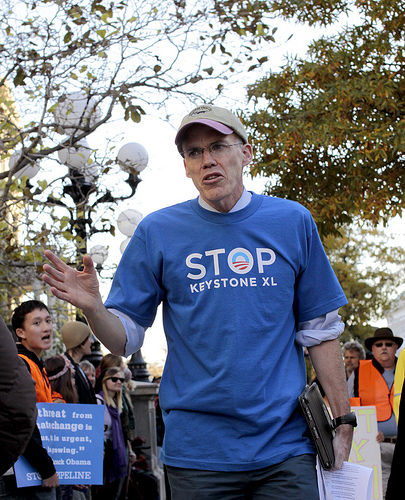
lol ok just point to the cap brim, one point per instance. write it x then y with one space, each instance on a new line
220 127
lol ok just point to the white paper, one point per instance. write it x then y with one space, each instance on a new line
351 482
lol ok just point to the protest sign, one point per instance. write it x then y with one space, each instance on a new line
73 435
365 449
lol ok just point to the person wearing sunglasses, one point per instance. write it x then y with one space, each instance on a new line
115 468
372 384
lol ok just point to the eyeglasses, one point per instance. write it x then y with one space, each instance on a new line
380 344
116 379
216 150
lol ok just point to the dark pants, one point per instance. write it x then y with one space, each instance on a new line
396 480
293 479
9 491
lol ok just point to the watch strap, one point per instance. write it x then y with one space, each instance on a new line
349 418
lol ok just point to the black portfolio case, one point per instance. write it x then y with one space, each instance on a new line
320 424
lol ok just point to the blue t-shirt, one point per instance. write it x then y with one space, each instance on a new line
234 287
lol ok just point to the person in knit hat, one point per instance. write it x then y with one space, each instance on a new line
76 336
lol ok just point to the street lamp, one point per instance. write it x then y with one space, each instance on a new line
132 158
127 222
75 112
29 170
99 254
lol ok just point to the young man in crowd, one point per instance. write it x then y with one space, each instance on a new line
32 323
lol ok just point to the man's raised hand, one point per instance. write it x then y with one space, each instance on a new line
79 288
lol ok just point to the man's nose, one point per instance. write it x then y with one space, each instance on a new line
207 158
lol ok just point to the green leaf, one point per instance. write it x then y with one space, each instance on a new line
19 77
53 108
67 37
107 15
135 116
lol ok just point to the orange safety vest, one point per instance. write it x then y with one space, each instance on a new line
42 385
374 391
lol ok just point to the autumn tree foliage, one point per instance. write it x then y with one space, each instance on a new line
370 267
329 128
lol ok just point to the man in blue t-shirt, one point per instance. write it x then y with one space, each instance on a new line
245 285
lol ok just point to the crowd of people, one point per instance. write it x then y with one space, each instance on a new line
238 275
373 379
68 379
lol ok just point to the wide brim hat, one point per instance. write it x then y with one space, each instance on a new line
220 119
74 333
382 334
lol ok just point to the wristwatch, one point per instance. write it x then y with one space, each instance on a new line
349 418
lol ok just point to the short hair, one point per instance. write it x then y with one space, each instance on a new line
86 365
21 311
354 345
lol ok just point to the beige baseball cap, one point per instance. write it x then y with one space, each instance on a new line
220 119
74 333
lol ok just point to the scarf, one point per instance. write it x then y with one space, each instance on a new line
119 464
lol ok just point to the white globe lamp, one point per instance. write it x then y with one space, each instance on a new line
99 254
28 171
128 220
133 157
76 110
124 245
77 156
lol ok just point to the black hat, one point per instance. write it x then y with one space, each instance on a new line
382 334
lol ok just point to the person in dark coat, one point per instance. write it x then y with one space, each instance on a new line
395 487
17 401
76 336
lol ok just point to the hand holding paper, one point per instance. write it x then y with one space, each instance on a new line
351 482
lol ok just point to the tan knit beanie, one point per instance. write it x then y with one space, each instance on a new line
74 333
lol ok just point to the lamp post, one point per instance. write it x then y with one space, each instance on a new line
74 112
82 185
138 368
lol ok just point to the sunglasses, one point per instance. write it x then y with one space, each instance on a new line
116 379
387 344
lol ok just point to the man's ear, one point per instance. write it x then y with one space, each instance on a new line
185 167
247 153
20 333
